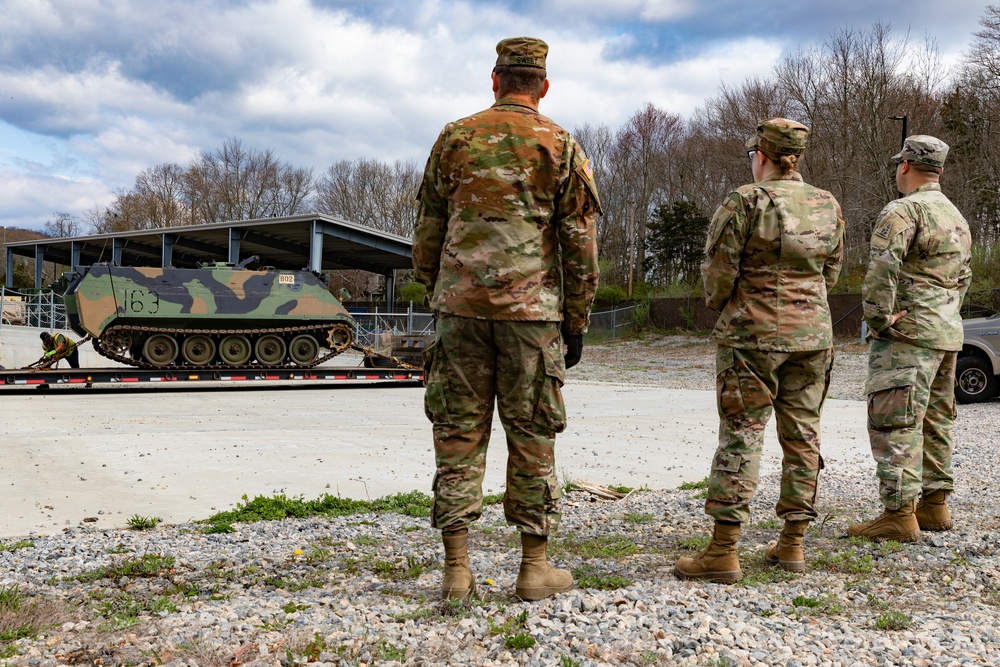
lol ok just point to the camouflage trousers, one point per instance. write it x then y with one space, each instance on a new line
911 411
750 386
471 365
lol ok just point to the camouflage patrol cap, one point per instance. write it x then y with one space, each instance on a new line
779 136
522 52
923 148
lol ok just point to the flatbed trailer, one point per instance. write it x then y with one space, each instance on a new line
123 375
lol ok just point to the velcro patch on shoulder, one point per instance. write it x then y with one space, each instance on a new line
719 223
887 228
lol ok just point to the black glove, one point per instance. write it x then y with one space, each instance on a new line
574 346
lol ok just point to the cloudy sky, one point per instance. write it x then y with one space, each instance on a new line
94 91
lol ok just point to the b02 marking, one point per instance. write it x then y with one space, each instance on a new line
286 279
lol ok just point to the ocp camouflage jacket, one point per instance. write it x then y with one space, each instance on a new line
507 220
774 249
920 262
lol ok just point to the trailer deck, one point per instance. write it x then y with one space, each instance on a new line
82 376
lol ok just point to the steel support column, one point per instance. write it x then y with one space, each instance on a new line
75 248
9 276
390 289
39 261
117 245
316 246
234 245
167 245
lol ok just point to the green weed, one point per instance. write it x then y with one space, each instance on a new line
136 522
696 543
893 620
848 561
605 546
20 544
147 565
589 577
637 517
274 508
691 486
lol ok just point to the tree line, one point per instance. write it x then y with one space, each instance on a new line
661 176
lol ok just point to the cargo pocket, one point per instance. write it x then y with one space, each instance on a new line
724 484
550 410
727 385
435 405
890 398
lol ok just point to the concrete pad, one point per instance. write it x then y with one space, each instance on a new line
183 453
20 346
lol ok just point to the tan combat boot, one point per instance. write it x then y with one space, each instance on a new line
718 562
900 525
787 552
458 581
537 579
932 510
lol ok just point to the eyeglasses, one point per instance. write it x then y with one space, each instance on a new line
751 154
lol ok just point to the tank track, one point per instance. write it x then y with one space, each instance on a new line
321 331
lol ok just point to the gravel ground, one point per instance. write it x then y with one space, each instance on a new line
362 589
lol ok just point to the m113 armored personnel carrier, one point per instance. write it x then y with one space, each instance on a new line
217 316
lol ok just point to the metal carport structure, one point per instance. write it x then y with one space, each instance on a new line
316 242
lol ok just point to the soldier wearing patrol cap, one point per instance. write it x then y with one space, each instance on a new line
774 248
918 273
505 242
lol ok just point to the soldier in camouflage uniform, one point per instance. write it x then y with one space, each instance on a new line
918 272
774 248
505 242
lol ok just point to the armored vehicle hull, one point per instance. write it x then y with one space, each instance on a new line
215 316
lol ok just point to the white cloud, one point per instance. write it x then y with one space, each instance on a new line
92 92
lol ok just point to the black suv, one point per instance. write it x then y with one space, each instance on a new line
977 376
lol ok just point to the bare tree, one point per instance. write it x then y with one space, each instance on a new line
63 225
239 183
372 193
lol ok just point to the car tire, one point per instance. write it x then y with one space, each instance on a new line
974 380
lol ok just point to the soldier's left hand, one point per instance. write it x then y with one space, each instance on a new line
574 346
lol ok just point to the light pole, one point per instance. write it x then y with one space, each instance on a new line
902 140
902 118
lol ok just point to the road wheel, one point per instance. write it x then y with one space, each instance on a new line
974 380
160 349
198 349
235 350
303 349
269 350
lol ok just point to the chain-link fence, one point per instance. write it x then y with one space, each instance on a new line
32 308
375 329
612 324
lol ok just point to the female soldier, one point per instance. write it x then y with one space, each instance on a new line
774 249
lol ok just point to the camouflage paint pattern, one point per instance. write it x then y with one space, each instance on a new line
911 411
506 228
774 249
220 294
750 386
471 365
919 262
